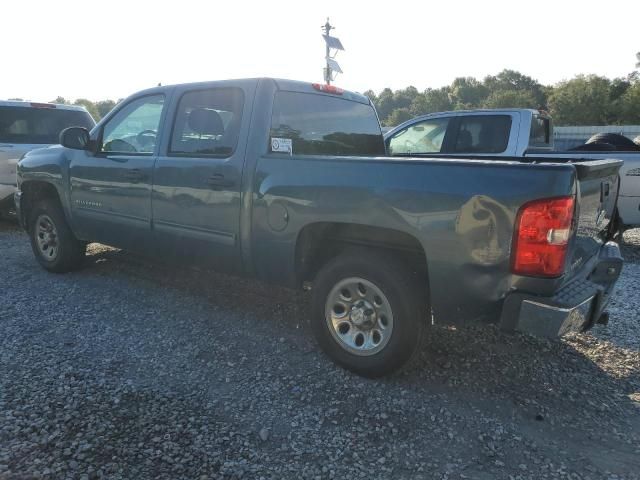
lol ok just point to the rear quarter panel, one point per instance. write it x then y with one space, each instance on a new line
461 212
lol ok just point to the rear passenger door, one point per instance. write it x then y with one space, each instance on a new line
196 193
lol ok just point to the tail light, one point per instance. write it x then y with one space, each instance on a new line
543 229
327 88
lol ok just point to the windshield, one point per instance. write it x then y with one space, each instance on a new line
39 125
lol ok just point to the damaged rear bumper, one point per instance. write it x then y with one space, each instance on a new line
575 307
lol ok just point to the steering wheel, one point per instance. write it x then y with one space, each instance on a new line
409 146
430 146
144 137
118 145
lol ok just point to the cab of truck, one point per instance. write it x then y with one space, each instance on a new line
513 134
504 132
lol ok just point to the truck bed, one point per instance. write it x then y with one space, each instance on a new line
462 210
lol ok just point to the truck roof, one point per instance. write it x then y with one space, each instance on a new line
283 84
28 104
488 110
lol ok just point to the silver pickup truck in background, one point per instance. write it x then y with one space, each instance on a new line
25 126
512 133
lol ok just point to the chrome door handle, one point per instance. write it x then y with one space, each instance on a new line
135 175
217 180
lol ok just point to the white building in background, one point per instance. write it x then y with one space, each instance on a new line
569 137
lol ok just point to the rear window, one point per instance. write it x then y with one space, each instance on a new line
315 124
540 135
482 134
39 125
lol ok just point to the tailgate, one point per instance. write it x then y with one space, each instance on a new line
597 195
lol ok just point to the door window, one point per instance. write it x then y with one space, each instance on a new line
207 122
483 134
540 135
134 128
421 137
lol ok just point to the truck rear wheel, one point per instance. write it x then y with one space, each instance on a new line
52 241
369 313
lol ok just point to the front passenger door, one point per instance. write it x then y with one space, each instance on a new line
111 189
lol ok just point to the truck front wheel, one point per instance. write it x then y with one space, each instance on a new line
52 241
369 312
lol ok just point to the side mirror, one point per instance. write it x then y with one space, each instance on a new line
75 137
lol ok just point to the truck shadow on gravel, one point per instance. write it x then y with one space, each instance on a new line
579 381
578 396
238 355
9 224
242 353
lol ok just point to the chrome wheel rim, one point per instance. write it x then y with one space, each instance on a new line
47 238
359 316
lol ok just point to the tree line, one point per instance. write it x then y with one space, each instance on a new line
582 100
96 109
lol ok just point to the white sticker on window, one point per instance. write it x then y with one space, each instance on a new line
284 145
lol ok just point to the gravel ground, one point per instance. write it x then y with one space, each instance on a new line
128 370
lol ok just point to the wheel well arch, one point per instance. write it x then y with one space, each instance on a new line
32 192
319 242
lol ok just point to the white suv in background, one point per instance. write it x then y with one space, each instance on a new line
26 126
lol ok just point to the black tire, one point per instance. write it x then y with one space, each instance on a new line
407 300
620 142
70 251
595 147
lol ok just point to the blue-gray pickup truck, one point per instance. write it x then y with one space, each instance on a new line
289 182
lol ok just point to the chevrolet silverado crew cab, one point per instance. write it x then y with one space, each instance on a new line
25 126
289 182
512 133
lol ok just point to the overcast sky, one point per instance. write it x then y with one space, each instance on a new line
110 49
